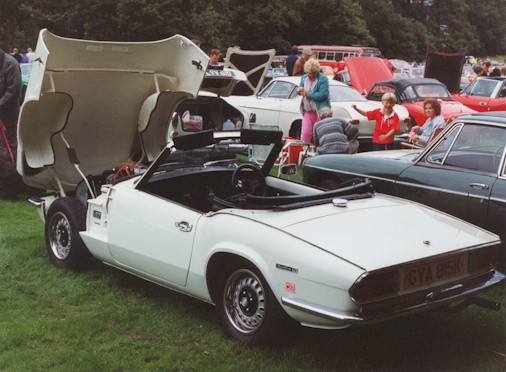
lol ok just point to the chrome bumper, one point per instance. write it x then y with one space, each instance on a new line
434 299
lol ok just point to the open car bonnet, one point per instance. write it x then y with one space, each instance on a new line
254 64
242 74
367 71
92 105
446 67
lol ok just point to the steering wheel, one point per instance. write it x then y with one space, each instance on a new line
497 156
252 183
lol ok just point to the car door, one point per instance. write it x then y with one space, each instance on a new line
151 235
497 208
478 103
277 103
458 174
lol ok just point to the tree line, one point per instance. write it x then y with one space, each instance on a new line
399 28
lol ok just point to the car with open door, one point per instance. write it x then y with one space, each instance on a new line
204 218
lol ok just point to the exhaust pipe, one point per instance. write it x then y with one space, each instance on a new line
481 302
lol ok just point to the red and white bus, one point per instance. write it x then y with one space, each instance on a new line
335 55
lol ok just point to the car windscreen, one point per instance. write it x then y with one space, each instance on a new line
422 91
482 87
221 153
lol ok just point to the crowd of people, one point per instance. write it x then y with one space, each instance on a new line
335 135
23 56
486 69
315 108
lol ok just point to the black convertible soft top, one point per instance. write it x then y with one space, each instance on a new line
403 83
357 188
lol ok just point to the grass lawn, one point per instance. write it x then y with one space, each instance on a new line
106 320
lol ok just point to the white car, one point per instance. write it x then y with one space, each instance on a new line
204 220
279 104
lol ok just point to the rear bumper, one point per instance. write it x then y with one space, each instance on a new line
403 306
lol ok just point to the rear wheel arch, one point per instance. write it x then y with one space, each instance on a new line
247 308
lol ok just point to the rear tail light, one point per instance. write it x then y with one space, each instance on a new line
375 286
484 259
356 122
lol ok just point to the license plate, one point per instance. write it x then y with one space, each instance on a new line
220 73
433 272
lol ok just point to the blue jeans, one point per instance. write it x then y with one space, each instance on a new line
381 146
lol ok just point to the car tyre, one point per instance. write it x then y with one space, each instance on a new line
247 308
65 218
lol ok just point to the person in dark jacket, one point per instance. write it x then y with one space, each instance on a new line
10 92
291 59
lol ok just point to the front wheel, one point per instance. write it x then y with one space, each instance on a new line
65 218
247 308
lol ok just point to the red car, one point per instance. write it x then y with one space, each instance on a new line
363 72
411 93
484 94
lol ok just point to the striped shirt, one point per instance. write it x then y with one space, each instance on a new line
332 135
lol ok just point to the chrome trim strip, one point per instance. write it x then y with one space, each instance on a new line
351 174
355 318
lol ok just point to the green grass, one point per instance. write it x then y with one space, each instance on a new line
105 320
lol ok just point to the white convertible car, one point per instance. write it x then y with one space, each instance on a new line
202 219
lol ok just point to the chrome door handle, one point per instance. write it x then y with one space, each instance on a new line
184 226
481 186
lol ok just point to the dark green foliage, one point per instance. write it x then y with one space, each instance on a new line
400 28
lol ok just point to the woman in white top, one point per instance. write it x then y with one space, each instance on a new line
422 135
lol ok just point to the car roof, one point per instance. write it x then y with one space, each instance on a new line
496 117
296 80
500 78
403 83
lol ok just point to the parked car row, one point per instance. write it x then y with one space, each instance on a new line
279 104
196 214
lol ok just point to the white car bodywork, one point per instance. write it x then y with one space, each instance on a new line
279 104
202 219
